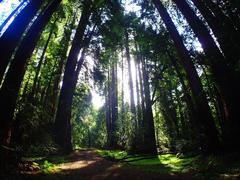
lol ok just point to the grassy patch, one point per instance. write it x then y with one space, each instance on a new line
51 164
167 163
201 166
162 163
48 167
114 154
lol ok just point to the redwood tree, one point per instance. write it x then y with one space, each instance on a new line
11 85
205 118
63 116
11 37
223 75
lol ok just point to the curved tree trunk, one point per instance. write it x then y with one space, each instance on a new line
205 118
223 75
11 85
63 116
65 42
10 39
225 34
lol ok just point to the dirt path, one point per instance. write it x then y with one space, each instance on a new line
87 165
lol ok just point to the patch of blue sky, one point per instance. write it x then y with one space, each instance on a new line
6 7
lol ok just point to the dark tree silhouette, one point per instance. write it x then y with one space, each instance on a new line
10 39
11 85
63 116
205 119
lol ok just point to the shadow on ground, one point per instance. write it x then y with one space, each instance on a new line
88 165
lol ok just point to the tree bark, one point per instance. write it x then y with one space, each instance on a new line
138 94
11 37
11 85
63 116
225 34
65 42
41 60
141 90
223 75
108 109
205 119
132 100
187 95
114 106
148 121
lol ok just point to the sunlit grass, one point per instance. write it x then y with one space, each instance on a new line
161 163
115 154
49 168
201 166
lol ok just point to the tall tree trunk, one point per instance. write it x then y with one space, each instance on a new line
187 95
48 89
212 96
141 89
39 89
224 33
148 121
25 88
65 42
132 101
10 88
63 116
223 77
205 119
183 131
108 109
138 93
11 15
209 46
41 60
134 137
11 37
172 109
114 106
136 60
165 104
122 97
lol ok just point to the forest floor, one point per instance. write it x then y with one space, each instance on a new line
94 165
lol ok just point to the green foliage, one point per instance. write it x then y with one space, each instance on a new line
198 166
204 167
114 154
88 123
162 163
149 41
49 167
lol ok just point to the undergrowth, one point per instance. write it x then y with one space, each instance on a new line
210 167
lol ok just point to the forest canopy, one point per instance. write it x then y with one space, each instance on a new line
147 77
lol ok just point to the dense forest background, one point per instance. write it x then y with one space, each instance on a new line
143 76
